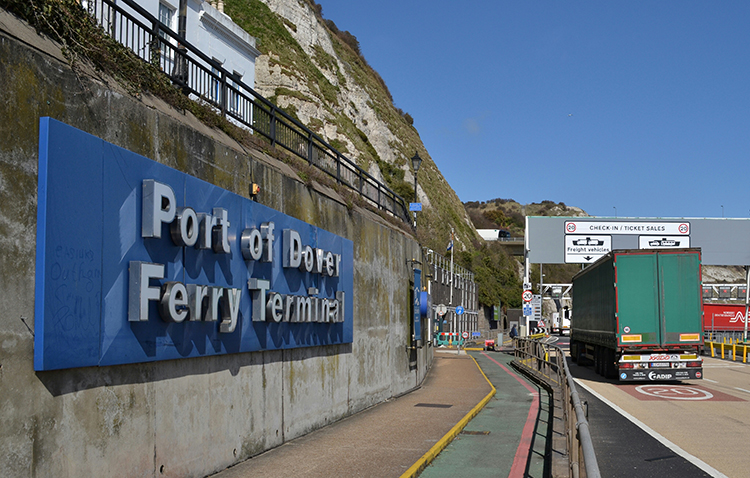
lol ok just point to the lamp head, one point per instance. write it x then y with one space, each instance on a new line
416 161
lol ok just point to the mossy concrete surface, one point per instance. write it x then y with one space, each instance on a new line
195 416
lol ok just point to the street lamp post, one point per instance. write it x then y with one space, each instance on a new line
416 162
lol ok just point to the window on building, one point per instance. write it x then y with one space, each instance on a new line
166 16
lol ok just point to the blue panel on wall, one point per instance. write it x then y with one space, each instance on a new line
90 243
68 259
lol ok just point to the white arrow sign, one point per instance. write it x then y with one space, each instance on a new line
586 249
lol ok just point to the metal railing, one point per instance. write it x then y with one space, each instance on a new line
548 362
204 79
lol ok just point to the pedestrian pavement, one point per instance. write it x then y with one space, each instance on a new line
508 437
504 435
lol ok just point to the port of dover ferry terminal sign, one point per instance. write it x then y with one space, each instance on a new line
138 262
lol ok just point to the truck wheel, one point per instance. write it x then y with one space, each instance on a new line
601 359
610 370
598 360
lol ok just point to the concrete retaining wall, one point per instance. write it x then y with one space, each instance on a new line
195 416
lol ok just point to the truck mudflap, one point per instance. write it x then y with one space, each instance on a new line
653 375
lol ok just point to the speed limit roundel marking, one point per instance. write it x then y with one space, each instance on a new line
674 392
527 296
684 228
570 227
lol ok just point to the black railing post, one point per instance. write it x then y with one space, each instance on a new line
310 148
154 45
338 167
223 94
272 131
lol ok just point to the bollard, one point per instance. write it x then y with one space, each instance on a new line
712 349
722 350
734 352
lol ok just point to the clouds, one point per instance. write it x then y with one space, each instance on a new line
474 126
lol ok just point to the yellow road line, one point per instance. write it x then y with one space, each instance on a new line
427 458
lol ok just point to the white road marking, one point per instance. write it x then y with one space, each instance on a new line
709 380
742 389
692 459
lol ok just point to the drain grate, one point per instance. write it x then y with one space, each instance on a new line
434 405
474 432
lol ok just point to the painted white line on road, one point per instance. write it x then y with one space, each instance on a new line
692 459
709 380
742 389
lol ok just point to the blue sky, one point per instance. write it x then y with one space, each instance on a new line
643 106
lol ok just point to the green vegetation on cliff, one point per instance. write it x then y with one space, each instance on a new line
325 76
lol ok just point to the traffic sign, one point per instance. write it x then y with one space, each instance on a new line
459 310
465 334
540 323
528 310
441 309
527 296
586 249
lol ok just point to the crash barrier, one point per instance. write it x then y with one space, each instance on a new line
727 336
727 346
448 339
548 362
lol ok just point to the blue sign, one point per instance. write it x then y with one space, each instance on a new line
476 334
415 206
139 262
527 310
459 310
417 307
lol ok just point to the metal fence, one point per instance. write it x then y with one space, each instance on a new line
204 79
548 362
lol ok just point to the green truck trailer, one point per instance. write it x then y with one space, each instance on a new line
638 315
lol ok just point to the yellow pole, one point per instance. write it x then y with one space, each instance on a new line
734 352
722 349
744 355
713 352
